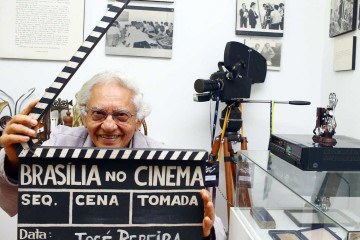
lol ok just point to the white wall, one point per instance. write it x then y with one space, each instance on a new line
202 28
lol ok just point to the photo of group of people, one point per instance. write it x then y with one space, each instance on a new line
270 49
142 31
342 17
260 17
167 1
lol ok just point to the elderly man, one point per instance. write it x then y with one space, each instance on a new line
112 110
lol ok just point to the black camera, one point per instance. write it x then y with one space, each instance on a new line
242 67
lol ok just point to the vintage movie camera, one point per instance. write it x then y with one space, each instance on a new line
242 67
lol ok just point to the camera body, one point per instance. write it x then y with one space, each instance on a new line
242 67
233 88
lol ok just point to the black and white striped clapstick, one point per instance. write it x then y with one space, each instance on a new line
74 64
133 154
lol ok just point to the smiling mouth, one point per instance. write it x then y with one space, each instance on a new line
109 137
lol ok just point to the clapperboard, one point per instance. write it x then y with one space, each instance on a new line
96 193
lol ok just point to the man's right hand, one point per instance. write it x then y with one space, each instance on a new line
18 130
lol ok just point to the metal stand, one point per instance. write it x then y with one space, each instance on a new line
230 165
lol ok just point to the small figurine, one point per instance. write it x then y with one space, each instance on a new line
76 114
60 105
325 123
68 119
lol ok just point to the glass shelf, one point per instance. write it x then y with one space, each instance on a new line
296 199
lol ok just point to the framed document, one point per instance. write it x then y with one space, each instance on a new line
44 29
344 53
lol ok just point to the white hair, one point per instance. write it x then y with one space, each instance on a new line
142 108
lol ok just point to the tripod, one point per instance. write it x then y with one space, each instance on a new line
222 145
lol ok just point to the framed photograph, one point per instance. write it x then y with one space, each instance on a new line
343 15
260 18
142 31
318 233
285 234
307 218
313 218
358 27
344 53
270 49
341 218
167 1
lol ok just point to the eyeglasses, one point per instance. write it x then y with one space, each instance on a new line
99 115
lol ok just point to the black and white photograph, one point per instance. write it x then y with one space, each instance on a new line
167 1
142 31
260 17
270 49
342 17
358 16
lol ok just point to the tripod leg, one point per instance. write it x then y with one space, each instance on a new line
228 176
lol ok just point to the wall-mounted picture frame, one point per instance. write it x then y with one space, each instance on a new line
344 53
343 16
269 48
358 27
260 17
142 31
166 1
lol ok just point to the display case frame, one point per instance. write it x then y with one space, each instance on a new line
281 188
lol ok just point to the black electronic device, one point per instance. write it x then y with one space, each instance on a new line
242 66
303 152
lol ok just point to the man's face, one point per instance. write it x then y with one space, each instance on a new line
110 98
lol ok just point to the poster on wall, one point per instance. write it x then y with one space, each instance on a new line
142 31
343 15
344 53
270 49
260 17
41 29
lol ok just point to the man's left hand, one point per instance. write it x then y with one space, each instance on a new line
209 212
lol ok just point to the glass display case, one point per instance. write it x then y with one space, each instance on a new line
276 200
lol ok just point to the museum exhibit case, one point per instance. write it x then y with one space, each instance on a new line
277 200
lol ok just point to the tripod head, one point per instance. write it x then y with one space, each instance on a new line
234 122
